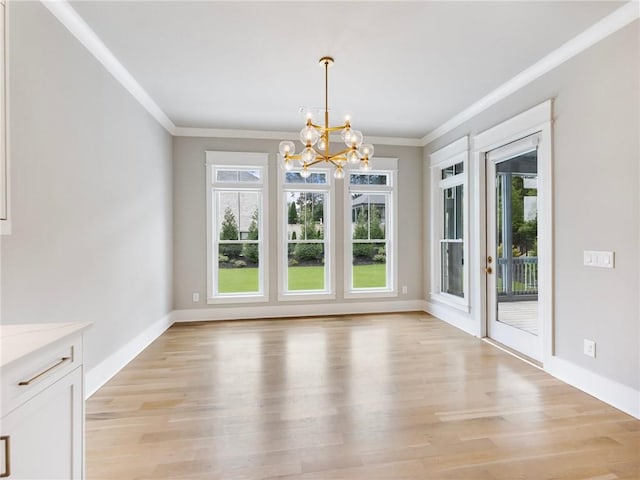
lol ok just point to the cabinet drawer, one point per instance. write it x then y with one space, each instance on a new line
32 374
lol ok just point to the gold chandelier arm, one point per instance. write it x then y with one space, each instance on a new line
332 160
324 156
341 152
315 162
329 129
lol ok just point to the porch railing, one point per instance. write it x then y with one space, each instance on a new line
517 279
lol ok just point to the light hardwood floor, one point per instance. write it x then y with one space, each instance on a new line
397 396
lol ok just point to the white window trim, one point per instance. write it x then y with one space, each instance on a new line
238 159
329 293
456 152
379 165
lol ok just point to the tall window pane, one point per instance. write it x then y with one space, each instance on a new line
306 240
369 239
238 220
370 243
452 247
452 243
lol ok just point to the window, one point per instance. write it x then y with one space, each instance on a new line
370 252
306 251
452 241
236 226
449 223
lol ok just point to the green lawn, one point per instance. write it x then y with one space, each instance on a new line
306 278
311 278
370 276
244 280
237 280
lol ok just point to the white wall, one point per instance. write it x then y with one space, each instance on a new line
596 201
91 190
190 268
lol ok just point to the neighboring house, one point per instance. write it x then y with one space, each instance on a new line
361 203
242 205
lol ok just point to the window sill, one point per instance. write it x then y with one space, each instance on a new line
370 293
238 299
451 301
304 296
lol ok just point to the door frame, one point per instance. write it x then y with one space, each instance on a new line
535 120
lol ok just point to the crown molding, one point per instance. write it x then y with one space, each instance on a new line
396 141
233 133
618 19
274 135
592 35
64 12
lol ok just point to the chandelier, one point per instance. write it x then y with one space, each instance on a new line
315 139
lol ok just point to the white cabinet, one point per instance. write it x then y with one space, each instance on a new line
42 424
43 436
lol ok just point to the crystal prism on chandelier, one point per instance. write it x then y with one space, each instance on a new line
315 139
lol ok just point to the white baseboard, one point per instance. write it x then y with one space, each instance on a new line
453 317
275 311
609 391
102 373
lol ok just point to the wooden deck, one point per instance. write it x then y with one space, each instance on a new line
400 396
522 315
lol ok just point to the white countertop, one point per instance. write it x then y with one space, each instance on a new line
17 341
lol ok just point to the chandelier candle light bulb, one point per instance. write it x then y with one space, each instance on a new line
317 135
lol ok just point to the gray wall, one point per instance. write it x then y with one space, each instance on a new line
91 191
596 202
190 266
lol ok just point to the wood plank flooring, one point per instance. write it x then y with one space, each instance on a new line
394 396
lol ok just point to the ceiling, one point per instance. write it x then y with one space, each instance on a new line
401 68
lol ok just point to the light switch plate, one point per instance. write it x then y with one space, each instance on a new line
594 258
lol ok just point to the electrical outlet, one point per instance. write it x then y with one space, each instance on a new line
405 290
590 348
196 297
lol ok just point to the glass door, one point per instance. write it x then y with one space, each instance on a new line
512 249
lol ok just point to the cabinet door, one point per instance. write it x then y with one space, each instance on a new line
45 433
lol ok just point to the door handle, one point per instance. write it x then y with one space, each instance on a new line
489 270
7 457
